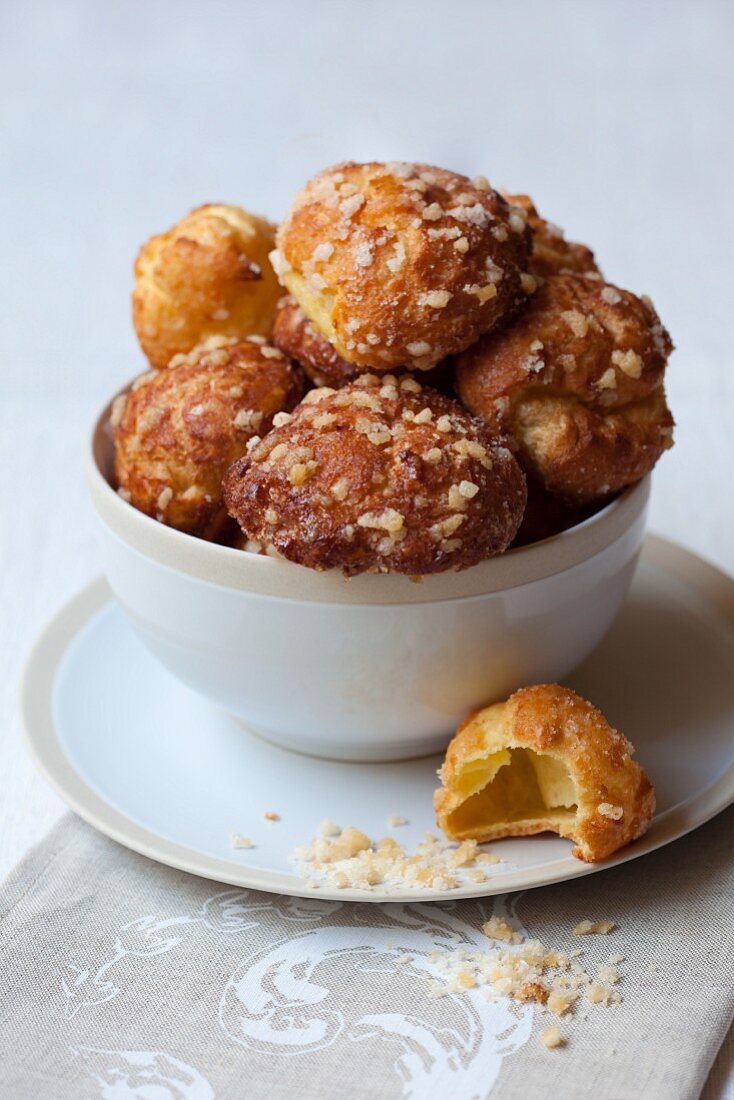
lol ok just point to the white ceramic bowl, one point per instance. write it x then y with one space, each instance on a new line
376 667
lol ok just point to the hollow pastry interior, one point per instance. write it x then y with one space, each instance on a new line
545 760
517 786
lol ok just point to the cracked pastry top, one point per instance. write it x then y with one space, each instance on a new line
400 265
177 430
207 276
576 381
551 253
382 475
544 761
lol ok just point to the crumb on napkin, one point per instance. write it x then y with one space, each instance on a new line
552 1038
594 928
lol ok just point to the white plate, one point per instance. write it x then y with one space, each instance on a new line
160 770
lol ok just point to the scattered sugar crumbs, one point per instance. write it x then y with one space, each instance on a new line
514 966
528 971
238 841
552 1038
594 928
349 858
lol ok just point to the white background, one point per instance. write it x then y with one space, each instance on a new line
117 117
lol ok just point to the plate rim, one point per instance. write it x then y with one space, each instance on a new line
41 739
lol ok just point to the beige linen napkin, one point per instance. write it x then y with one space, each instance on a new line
124 979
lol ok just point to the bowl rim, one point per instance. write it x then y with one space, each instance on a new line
275 577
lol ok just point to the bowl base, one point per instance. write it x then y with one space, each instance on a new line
353 753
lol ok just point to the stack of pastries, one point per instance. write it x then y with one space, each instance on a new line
413 373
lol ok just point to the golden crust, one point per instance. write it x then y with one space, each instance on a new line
208 275
577 382
380 476
399 265
177 430
299 339
544 761
551 253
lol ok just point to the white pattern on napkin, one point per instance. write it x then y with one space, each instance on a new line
143 1075
310 990
282 1003
73 898
229 912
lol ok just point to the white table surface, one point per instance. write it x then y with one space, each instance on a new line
119 117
